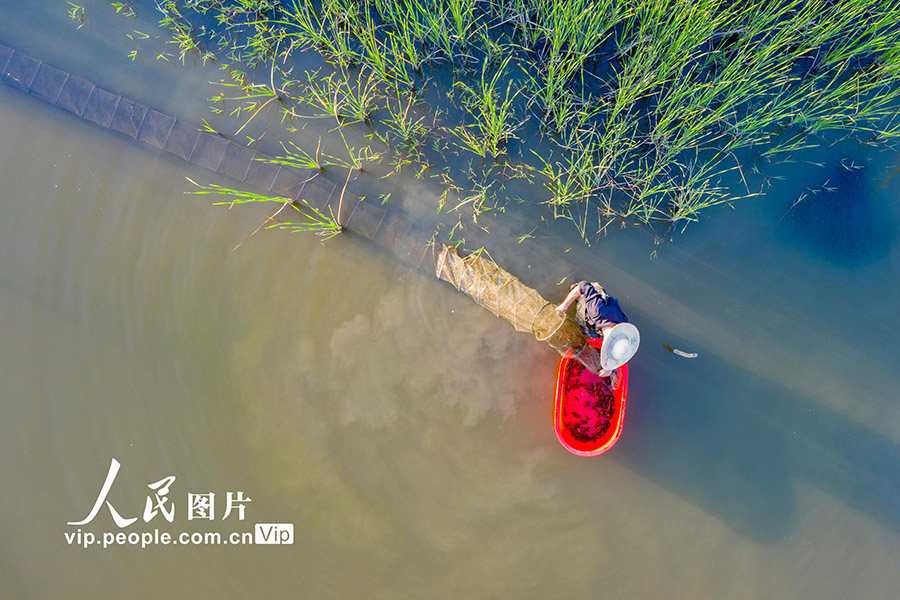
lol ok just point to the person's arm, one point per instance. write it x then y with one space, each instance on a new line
574 294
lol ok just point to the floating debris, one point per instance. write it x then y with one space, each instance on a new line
680 353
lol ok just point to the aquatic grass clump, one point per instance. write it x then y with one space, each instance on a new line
76 13
312 219
342 97
237 196
566 33
652 111
493 115
184 34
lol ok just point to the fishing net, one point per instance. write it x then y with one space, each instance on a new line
508 298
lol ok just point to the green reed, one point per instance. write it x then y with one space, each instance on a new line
313 220
237 196
494 116
407 128
645 106
184 33
76 13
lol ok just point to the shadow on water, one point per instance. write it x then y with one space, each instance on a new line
738 445
845 220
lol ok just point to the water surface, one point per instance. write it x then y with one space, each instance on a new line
406 432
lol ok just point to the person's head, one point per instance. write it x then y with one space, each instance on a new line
619 345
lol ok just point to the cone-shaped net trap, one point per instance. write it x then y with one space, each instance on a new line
508 298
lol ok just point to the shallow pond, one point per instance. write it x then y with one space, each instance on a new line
406 432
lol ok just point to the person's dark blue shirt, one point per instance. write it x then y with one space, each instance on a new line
600 309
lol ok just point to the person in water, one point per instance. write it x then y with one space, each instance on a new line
598 313
595 310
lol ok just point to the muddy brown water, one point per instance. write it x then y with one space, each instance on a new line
403 431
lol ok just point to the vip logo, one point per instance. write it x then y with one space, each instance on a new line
274 533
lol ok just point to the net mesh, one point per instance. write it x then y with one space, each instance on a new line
508 298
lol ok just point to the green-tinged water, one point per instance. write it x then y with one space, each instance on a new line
405 432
